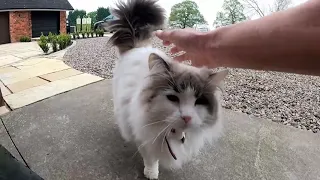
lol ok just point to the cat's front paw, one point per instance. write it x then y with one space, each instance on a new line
151 173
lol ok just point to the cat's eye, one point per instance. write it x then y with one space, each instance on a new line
173 98
202 101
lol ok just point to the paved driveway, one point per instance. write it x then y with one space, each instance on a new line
28 76
74 136
19 51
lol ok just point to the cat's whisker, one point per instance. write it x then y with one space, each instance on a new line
153 123
167 133
160 133
141 146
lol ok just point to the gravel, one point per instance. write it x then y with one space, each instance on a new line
92 56
289 99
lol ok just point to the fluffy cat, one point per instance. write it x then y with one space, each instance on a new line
167 108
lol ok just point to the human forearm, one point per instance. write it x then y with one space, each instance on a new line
286 41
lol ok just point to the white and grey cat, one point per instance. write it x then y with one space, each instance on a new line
168 109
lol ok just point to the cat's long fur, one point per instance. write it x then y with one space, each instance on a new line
153 94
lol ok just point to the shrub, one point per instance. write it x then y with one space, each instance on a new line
83 33
25 39
54 43
73 35
50 37
61 42
44 46
43 38
92 33
78 35
43 43
99 32
69 42
64 40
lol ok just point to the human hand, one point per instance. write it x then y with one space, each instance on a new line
189 41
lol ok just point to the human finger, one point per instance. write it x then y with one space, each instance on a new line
175 50
163 35
166 43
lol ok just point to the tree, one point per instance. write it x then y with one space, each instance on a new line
185 14
232 13
72 17
93 16
102 13
257 9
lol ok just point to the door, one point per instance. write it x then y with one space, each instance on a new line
4 28
45 22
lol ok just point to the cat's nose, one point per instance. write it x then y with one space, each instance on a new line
186 119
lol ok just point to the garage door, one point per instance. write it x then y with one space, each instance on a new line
4 28
45 21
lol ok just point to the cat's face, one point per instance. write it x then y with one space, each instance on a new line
182 97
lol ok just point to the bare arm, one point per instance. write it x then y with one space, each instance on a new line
287 41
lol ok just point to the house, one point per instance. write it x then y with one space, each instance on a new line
31 17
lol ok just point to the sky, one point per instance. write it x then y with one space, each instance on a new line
208 8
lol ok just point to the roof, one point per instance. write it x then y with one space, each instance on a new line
9 5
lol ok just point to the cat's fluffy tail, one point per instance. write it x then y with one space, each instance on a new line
136 20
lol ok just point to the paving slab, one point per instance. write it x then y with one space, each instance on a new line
61 74
28 54
4 90
38 93
8 59
30 62
74 136
26 84
6 142
8 69
4 110
33 71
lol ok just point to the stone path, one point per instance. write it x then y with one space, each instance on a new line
74 136
28 76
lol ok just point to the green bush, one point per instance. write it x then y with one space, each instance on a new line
74 36
25 39
43 43
64 40
69 42
61 42
44 46
77 35
99 32
43 38
54 43
83 33
50 37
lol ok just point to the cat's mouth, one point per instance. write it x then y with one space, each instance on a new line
168 144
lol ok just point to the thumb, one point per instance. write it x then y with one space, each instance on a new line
163 35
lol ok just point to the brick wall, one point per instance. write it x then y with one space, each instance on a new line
20 25
63 25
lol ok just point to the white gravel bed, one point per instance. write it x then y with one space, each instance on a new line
290 99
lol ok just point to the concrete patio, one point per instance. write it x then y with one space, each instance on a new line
74 136
28 76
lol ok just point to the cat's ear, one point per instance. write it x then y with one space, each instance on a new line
216 78
155 61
